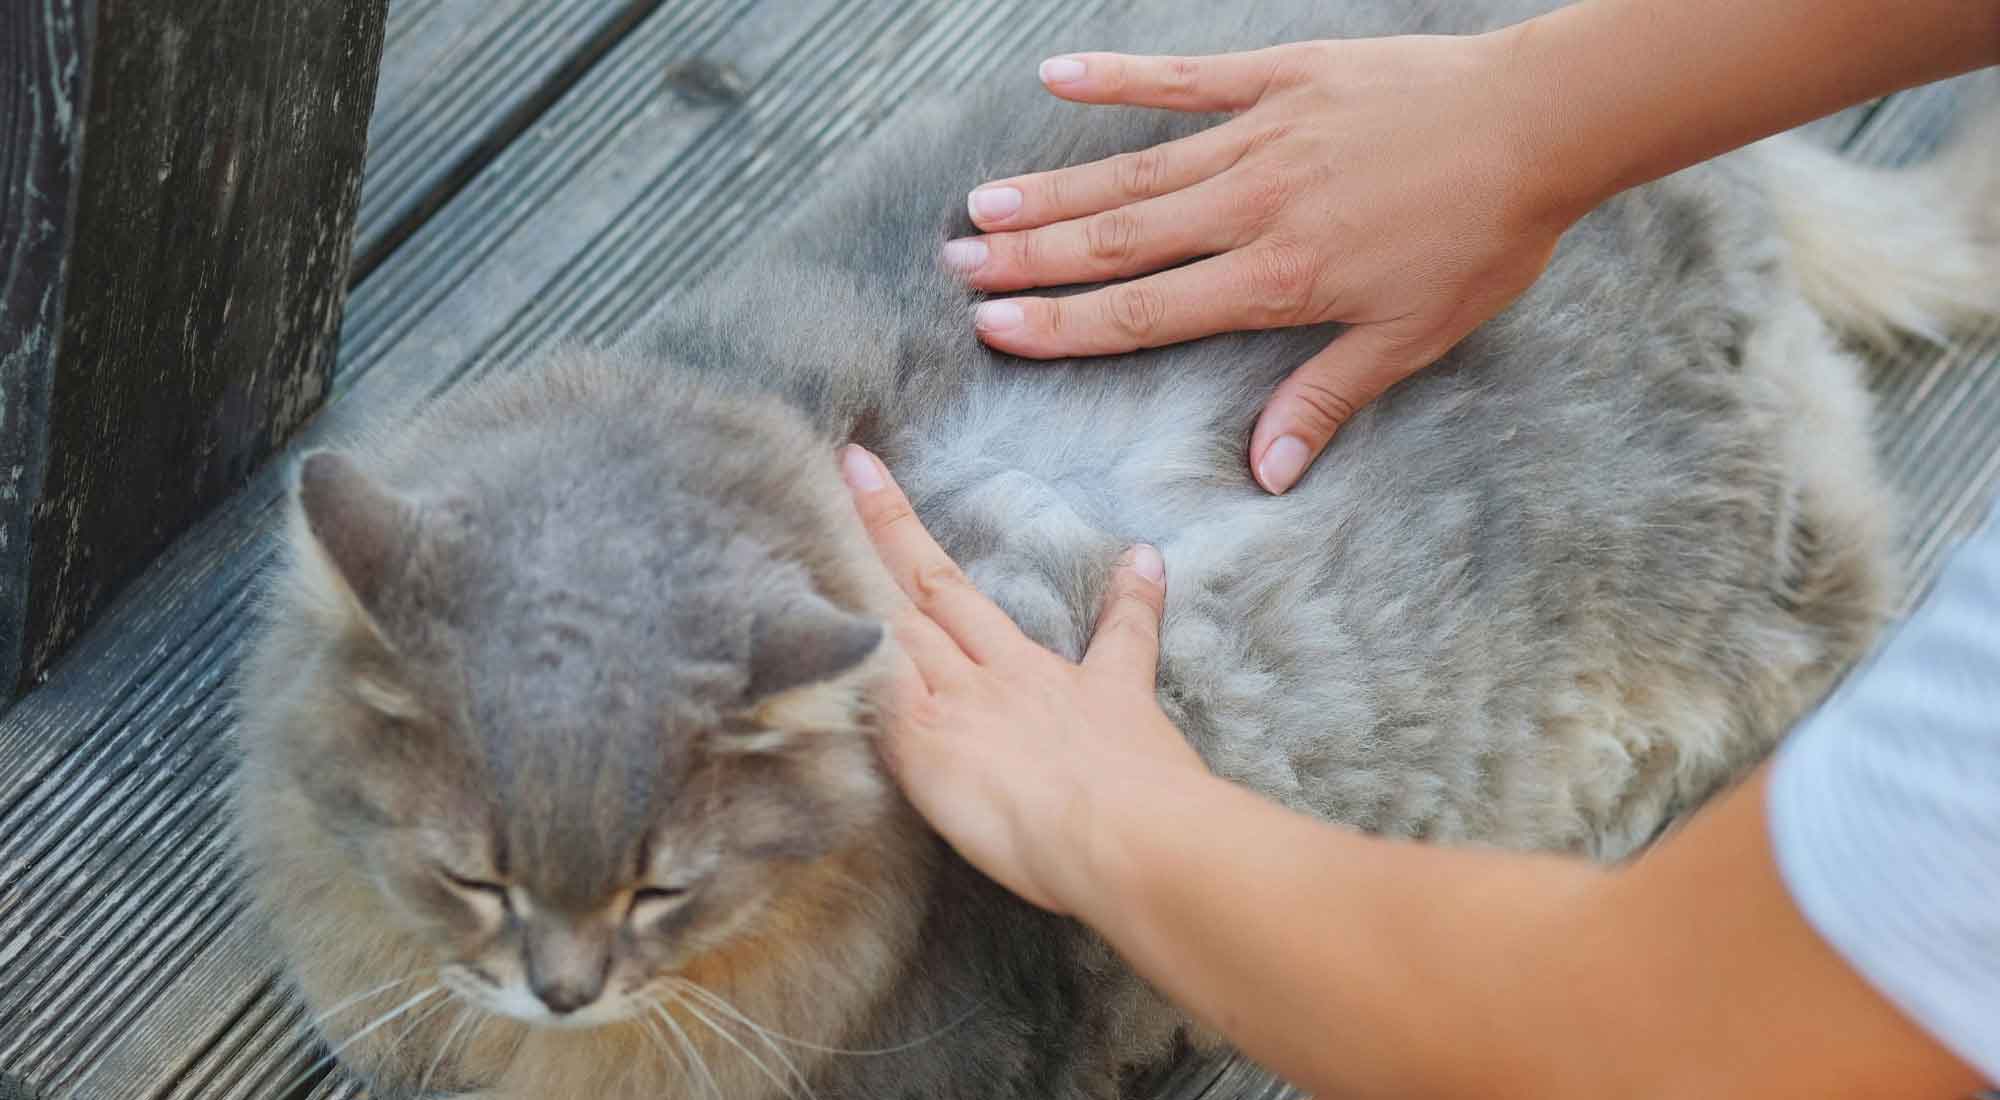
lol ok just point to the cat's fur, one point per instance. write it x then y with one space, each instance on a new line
611 621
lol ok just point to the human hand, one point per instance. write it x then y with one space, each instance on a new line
1375 182
1015 755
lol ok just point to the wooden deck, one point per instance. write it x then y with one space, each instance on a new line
539 169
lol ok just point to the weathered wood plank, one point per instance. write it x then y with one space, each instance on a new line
1938 417
192 189
459 82
119 752
616 199
43 87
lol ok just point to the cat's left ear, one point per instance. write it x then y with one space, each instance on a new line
807 675
801 639
355 538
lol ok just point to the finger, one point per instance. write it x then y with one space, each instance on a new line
926 574
907 682
1217 82
1261 285
1042 198
1126 642
936 656
1132 240
1319 397
937 659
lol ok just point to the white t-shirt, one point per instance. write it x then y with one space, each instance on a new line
1885 811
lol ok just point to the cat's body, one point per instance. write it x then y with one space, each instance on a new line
1544 595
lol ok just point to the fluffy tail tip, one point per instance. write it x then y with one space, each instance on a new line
1885 252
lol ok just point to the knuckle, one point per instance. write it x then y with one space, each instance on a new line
1296 64
1138 175
1025 250
1326 408
1128 627
1134 599
1110 74
1180 76
1057 317
1282 274
1136 311
1052 193
885 511
936 581
1264 196
1112 236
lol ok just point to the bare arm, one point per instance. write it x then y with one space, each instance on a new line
1359 967
1610 94
1356 966
1410 187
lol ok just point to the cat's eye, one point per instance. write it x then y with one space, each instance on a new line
653 903
480 887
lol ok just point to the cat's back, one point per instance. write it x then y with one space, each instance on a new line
1573 522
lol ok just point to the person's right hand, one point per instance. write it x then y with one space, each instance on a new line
1383 183
1020 759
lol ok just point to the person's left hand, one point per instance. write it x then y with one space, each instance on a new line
1383 183
1015 755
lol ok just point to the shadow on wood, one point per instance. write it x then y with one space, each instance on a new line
178 184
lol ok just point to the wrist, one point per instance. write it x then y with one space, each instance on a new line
1554 160
1124 838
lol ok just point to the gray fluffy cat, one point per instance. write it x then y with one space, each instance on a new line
559 777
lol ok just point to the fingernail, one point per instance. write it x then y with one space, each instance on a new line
863 473
967 254
1061 70
993 202
999 316
1284 460
1148 563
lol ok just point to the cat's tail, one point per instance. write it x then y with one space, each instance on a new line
1883 252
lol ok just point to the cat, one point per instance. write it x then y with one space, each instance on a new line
559 774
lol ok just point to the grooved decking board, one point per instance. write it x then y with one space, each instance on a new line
129 971
1938 409
460 80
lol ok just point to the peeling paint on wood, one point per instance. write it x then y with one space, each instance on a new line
180 183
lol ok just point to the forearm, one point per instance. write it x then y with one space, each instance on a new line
1608 94
1352 966
1358 967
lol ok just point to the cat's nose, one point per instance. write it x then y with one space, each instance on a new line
563 998
567 967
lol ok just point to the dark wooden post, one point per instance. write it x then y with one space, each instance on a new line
178 181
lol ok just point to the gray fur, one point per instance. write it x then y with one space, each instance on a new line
1545 595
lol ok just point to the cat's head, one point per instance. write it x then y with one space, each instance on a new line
579 750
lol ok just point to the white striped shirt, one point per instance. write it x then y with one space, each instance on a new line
1885 811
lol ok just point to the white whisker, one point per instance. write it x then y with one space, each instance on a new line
466 1015
357 999
684 986
410 1028
694 1056
762 1067
720 1002
659 1036
387 1018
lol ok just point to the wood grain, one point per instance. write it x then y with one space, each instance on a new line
44 76
200 165
132 974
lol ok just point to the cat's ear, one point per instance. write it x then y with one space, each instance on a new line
358 534
801 640
806 663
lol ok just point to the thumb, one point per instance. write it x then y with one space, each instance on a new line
1312 404
1126 643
